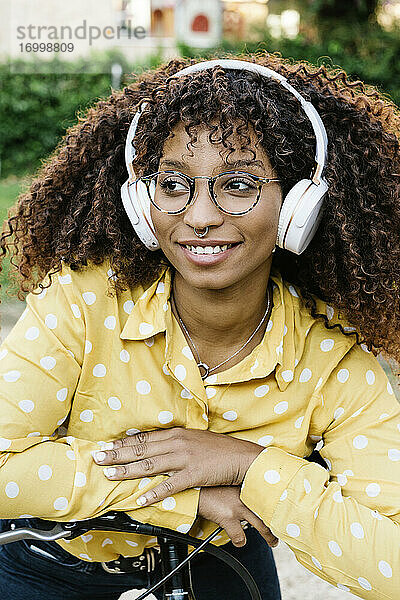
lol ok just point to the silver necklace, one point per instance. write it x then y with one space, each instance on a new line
203 366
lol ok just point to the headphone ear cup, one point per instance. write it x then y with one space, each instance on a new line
300 215
137 207
143 203
128 205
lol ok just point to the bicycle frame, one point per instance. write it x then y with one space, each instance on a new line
169 541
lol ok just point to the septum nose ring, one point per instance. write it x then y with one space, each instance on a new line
205 231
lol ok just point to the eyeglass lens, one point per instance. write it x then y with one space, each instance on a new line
232 192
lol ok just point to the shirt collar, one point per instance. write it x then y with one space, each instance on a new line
279 350
148 316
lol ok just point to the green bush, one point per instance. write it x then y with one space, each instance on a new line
37 108
10 188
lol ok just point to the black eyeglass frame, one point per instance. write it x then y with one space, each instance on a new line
259 181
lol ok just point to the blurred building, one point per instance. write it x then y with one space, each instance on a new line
166 23
204 25
187 21
244 19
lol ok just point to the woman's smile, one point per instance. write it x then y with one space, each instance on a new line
208 253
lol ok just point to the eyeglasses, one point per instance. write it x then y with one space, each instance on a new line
233 192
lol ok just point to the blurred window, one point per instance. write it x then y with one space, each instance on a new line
158 22
200 23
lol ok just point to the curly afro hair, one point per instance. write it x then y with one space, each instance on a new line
73 213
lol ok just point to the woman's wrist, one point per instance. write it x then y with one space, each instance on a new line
247 458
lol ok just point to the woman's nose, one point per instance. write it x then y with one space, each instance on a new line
202 211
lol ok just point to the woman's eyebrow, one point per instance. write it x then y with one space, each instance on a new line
241 162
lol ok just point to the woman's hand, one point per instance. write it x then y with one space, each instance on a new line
222 505
190 457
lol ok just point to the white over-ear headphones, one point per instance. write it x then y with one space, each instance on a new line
301 209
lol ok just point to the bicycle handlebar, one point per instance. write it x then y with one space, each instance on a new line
117 521
24 533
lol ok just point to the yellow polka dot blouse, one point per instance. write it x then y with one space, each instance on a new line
82 367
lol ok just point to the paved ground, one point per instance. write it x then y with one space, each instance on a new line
294 578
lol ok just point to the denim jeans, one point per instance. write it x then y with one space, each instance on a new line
26 574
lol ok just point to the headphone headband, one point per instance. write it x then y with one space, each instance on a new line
301 209
313 116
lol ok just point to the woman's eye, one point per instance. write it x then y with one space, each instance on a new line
173 185
239 185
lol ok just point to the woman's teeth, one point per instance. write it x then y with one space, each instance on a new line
208 249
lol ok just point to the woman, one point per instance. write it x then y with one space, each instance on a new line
126 372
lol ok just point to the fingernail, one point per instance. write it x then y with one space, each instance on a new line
99 456
141 501
108 446
109 471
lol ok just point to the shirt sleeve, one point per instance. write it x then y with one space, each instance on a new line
43 472
341 522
